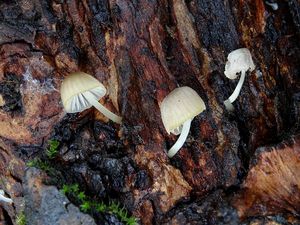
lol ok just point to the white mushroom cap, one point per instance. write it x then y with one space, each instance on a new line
238 60
180 105
73 91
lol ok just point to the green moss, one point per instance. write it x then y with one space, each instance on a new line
21 219
68 189
81 196
52 150
87 205
100 207
73 191
42 165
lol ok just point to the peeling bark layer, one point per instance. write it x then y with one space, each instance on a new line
141 50
273 182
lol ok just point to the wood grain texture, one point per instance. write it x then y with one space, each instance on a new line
141 50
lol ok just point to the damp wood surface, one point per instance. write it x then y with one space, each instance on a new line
235 168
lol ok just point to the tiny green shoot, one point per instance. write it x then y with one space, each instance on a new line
100 207
52 150
88 205
38 163
81 196
21 218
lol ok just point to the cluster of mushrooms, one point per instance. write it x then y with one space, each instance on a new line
80 91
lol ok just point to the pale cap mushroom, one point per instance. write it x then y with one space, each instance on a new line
177 111
239 61
80 91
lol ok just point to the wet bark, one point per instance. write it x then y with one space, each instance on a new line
141 50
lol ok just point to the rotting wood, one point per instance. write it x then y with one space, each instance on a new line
141 50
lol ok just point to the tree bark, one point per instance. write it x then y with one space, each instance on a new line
142 50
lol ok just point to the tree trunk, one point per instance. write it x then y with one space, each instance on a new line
142 50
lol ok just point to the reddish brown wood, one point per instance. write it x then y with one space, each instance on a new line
141 50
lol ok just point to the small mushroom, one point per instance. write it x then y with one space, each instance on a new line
80 91
3 198
274 5
239 61
177 111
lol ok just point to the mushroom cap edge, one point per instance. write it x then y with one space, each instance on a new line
73 88
238 60
179 105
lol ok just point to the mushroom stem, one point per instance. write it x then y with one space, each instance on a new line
237 89
3 198
228 105
180 141
101 108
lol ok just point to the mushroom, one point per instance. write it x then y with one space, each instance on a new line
80 91
274 5
177 112
3 198
239 61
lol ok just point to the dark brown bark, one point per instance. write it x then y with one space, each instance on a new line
141 50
